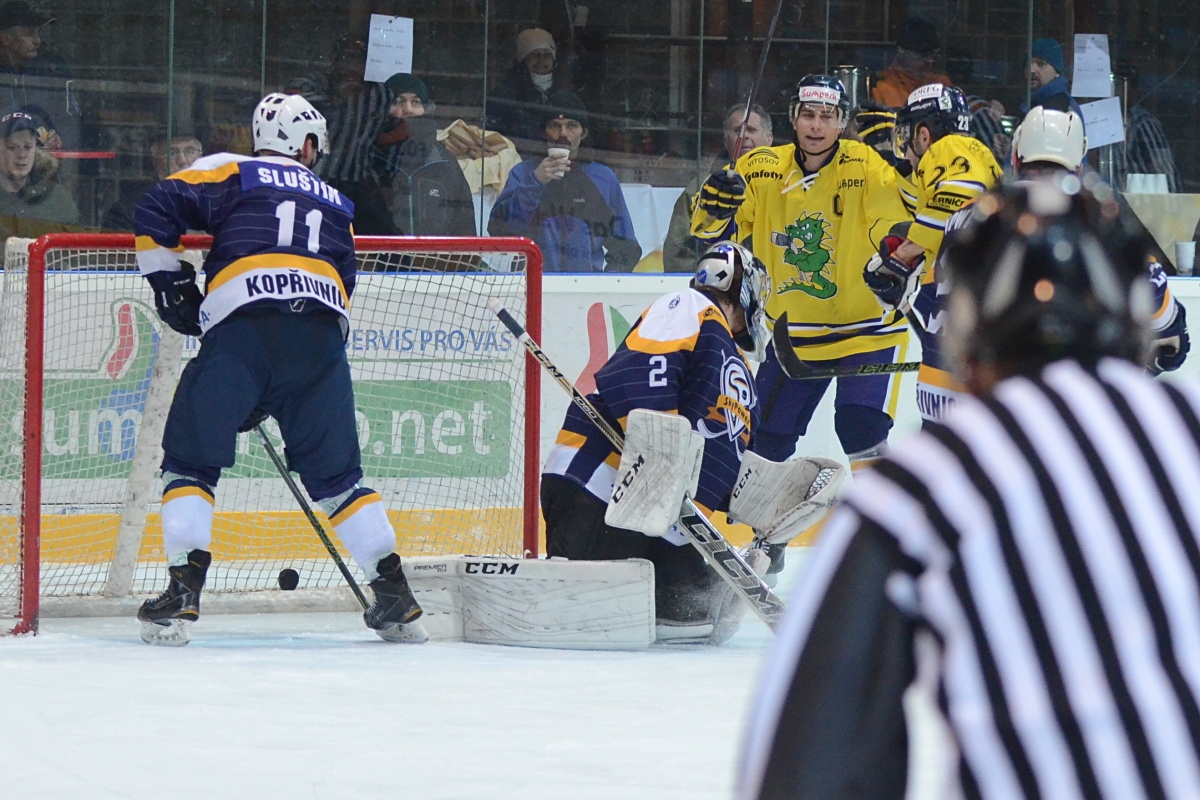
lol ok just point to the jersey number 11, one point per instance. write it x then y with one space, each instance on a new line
286 212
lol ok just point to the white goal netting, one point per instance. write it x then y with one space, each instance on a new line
440 394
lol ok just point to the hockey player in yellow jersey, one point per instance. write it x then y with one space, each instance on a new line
813 212
950 169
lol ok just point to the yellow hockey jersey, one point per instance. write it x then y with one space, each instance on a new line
815 233
953 172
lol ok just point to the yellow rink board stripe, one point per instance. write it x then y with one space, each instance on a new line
91 538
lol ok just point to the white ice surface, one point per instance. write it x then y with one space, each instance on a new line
316 706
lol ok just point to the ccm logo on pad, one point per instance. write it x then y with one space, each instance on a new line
490 568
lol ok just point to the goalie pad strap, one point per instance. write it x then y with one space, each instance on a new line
659 465
780 500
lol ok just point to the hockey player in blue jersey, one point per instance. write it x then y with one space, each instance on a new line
273 319
686 355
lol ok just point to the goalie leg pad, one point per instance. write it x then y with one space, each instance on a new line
187 515
659 465
363 526
780 500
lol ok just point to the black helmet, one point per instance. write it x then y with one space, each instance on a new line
821 90
1046 270
942 109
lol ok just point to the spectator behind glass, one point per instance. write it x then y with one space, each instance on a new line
354 116
517 104
917 50
422 184
1046 81
48 98
183 152
681 249
874 124
31 200
573 209
1147 150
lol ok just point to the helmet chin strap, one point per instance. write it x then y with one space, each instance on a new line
820 153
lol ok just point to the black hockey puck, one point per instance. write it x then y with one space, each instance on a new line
288 579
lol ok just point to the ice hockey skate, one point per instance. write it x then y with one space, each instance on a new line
395 612
719 626
167 619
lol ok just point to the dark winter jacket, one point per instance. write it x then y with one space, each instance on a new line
41 206
574 220
516 107
1055 96
427 193
119 217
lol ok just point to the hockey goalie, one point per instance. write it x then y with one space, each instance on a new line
681 388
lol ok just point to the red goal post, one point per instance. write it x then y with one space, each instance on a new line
448 421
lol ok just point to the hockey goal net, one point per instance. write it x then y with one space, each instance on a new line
447 414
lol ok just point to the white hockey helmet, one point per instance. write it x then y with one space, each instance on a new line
1051 136
732 268
283 121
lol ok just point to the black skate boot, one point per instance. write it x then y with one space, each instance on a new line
777 552
167 618
395 611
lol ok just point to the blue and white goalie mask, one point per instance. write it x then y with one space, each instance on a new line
734 270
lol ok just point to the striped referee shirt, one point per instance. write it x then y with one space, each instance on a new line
353 125
1147 149
1047 539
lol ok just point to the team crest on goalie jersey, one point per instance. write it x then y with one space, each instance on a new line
730 416
806 247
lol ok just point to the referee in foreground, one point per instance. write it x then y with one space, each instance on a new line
1035 559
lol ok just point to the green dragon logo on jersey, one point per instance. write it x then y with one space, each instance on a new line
806 250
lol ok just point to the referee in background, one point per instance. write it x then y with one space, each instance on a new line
1035 559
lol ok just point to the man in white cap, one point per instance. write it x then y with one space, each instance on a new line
517 103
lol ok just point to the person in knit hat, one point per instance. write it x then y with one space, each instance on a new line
1047 81
571 206
516 104
420 181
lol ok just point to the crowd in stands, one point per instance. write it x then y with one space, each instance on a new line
523 174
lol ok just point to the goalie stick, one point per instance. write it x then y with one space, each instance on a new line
798 370
728 563
312 518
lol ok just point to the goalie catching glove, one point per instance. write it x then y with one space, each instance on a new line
781 500
177 298
722 194
893 282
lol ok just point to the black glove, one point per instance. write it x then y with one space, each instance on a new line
256 418
1172 345
177 298
722 194
893 282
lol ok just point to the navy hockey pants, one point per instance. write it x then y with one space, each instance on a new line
860 416
290 366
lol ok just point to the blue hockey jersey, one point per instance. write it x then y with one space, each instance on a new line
679 357
280 234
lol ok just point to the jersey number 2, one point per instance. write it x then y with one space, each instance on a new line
658 375
286 212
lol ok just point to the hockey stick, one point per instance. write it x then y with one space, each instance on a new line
797 370
312 518
728 563
762 65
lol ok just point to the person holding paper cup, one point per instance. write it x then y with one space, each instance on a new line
573 208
